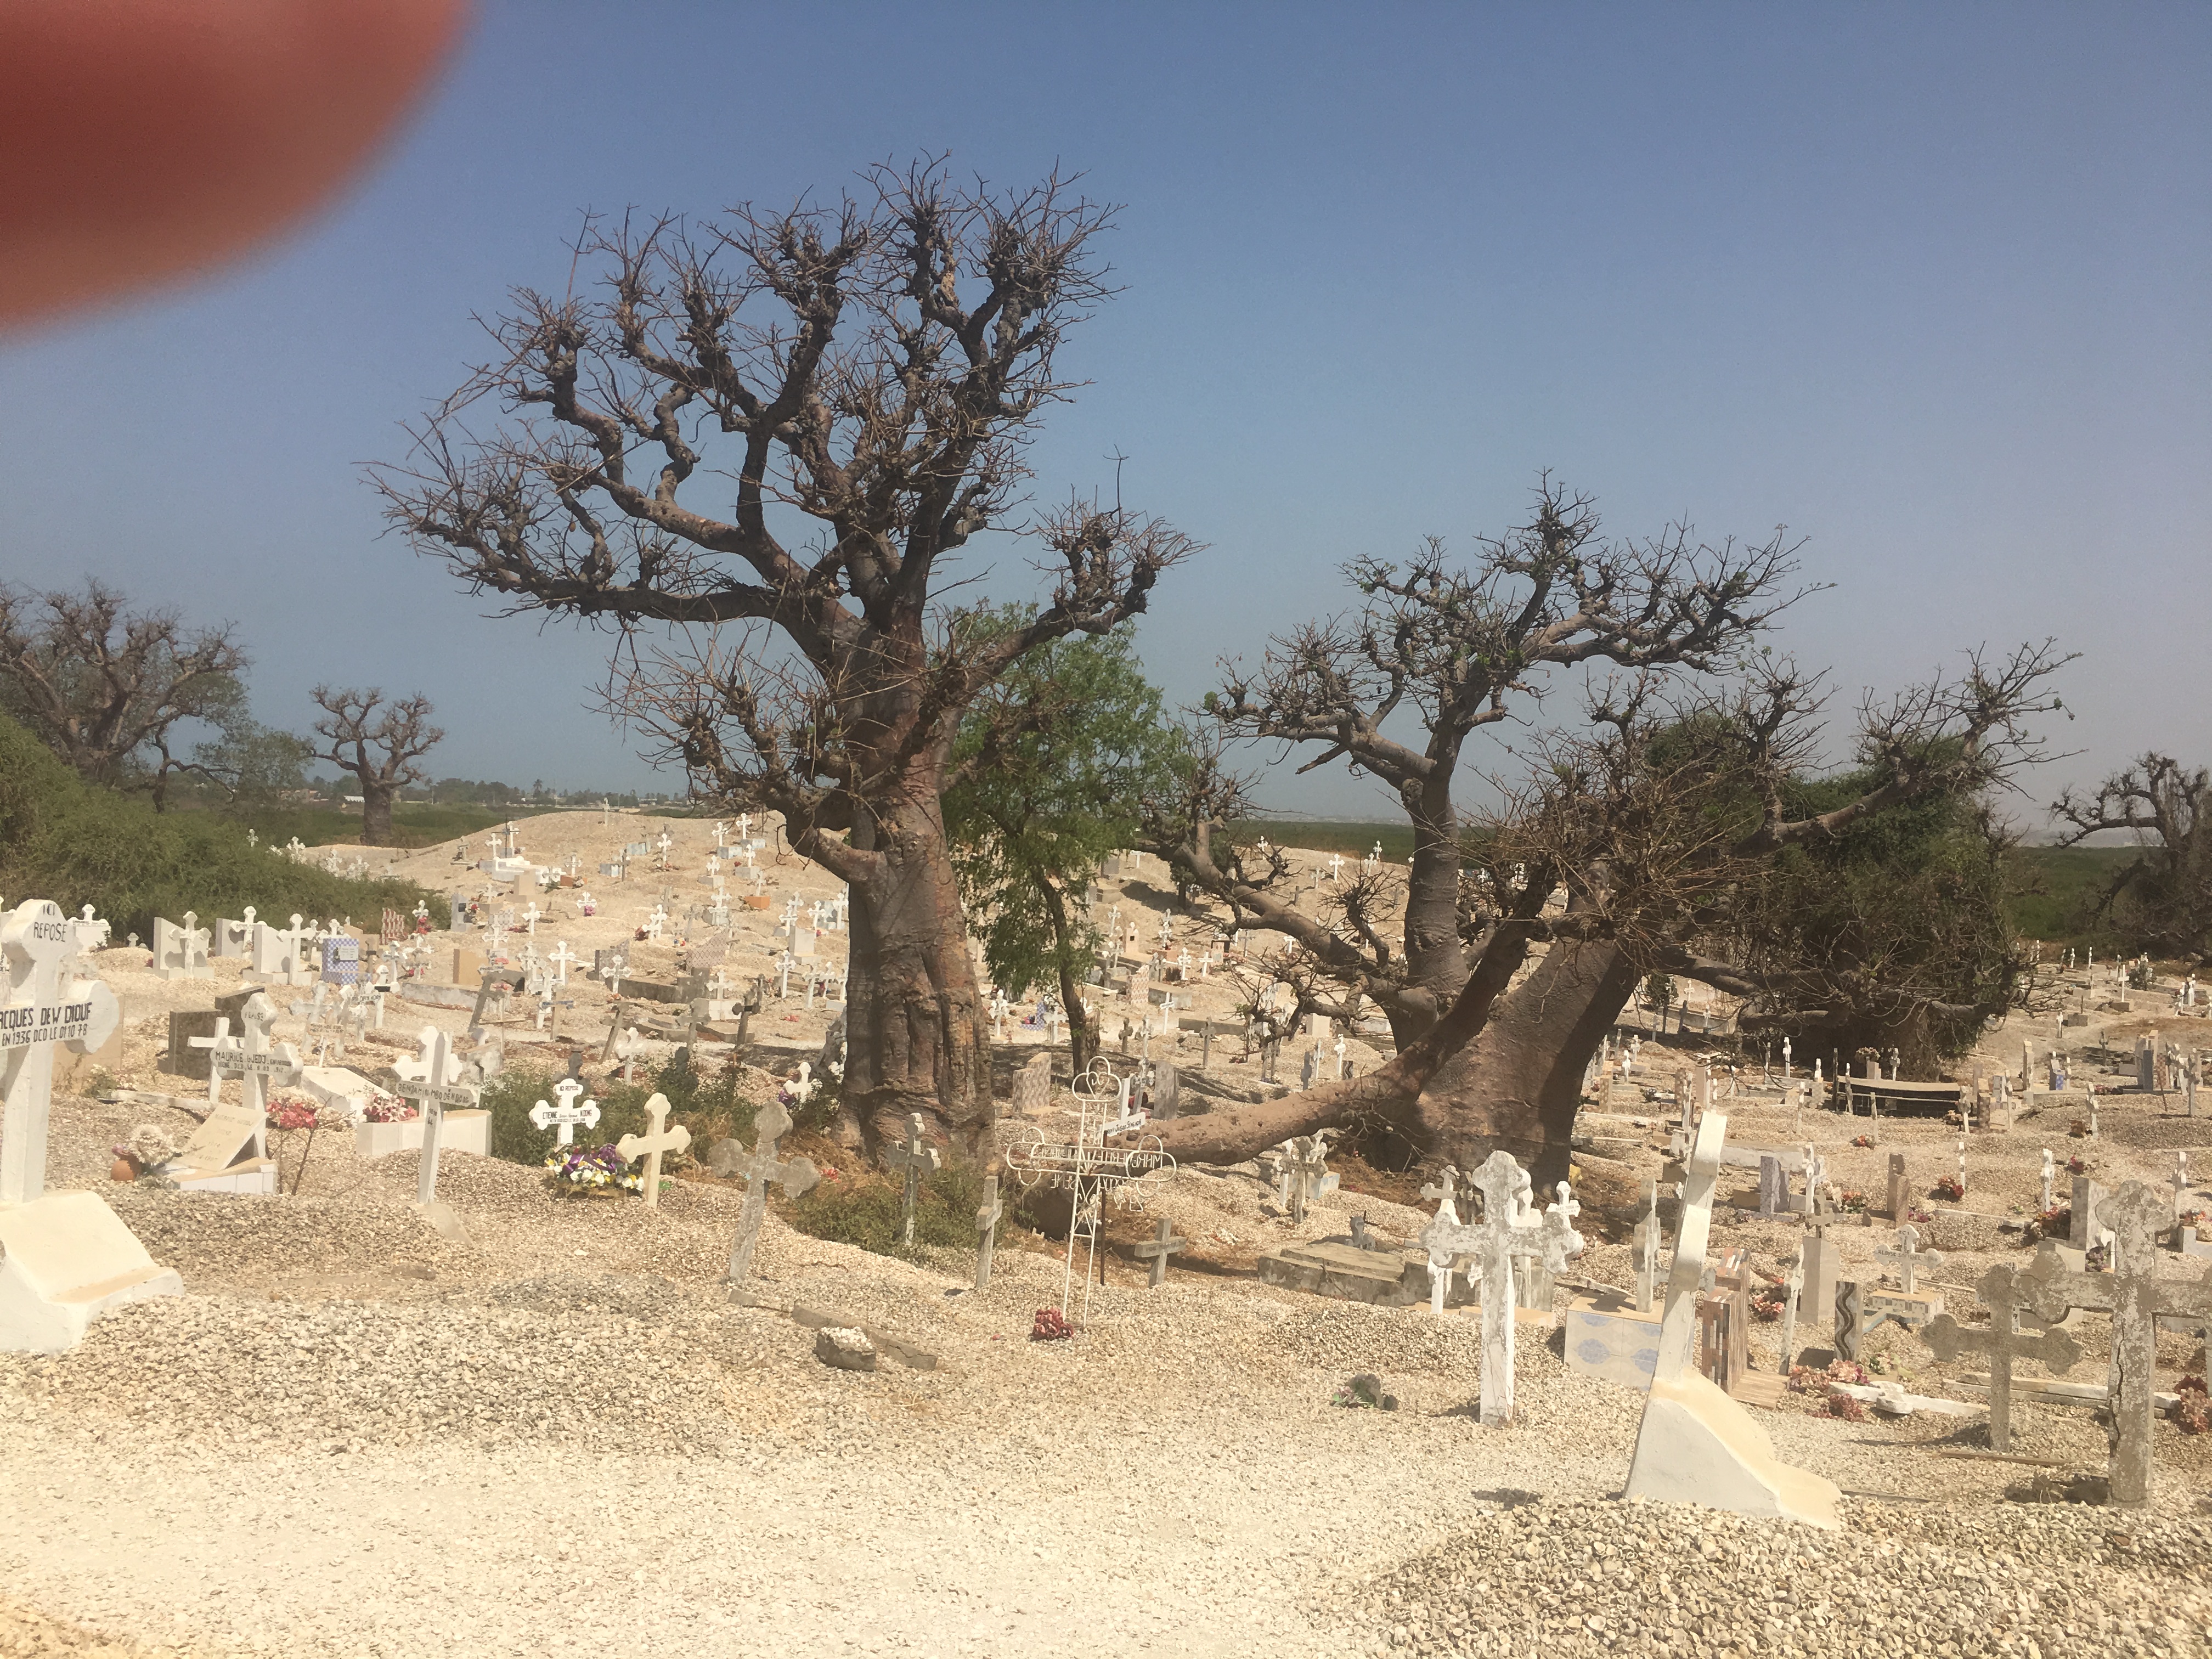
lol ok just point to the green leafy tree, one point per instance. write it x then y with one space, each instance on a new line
1048 768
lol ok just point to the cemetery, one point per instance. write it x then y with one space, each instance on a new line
1197 977
1748 1329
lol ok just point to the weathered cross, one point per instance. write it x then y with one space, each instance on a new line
2002 1340
916 1156
39 1007
563 1118
2135 1296
255 1060
1306 1170
758 1168
1646 1246
987 1223
1444 1225
662 1140
440 1087
1907 1258
1162 1245
1793 1287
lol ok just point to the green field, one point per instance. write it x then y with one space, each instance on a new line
411 826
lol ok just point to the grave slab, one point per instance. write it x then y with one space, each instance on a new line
1345 1273
464 1131
1698 1446
70 1260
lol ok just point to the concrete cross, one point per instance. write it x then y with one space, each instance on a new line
2050 1173
758 1168
1305 1173
1445 1227
1645 1248
1163 1244
987 1223
2003 1341
1501 1238
440 1087
1906 1259
915 1156
662 1139
2135 1296
1678 1326
563 1118
39 1006
295 953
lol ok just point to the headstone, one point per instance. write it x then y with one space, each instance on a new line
1162 1244
1894 1200
988 1216
1695 1444
2087 1195
69 1258
1822 1261
651 1146
915 1158
1773 1194
180 952
2003 1341
758 1168
2135 1296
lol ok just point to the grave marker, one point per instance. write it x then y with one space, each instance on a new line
439 1088
758 1168
2003 1341
660 1139
563 1118
915 1156
1162 1245
987 1224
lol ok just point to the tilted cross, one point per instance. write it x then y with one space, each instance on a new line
1907 1258
2003 1341
916 1156
1163 1244
662 1140
758 1168
1678 1325
2135 1296
563 1118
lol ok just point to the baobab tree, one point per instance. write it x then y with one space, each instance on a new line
1462 648
104 686
1637 838
751 452
378 743
2161 900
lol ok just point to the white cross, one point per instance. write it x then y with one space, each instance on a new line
1335 865
1908 1258
40 1007
662 1140
440 1087
530 920
562 959
564 1117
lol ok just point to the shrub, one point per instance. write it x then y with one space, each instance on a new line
709 1107
77 843
862 1207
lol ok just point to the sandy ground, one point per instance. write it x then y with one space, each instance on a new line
553 1433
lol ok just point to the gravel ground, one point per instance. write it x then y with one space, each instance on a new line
552 1432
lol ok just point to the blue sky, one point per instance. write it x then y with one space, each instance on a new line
1928 285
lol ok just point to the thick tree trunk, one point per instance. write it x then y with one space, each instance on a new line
1082 1043
1436 963
915 1034
1518 1085
376 815
1496 1071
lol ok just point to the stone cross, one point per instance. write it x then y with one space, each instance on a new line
2003 1341
1444 1227
758 1168
2135 1296
1962 1166
1502 1237
1907 1258
915 1156
39 1006
563 959
564 1117
1163 1244
440 1087
987 1223
1894 1198
653 1145
1304 1172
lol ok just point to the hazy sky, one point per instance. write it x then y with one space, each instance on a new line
1932 285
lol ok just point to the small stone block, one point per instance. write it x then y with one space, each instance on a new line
845 1348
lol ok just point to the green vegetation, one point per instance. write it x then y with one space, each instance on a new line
2052 893
1354 840
79 843
860 1207
712 1108
1051 761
